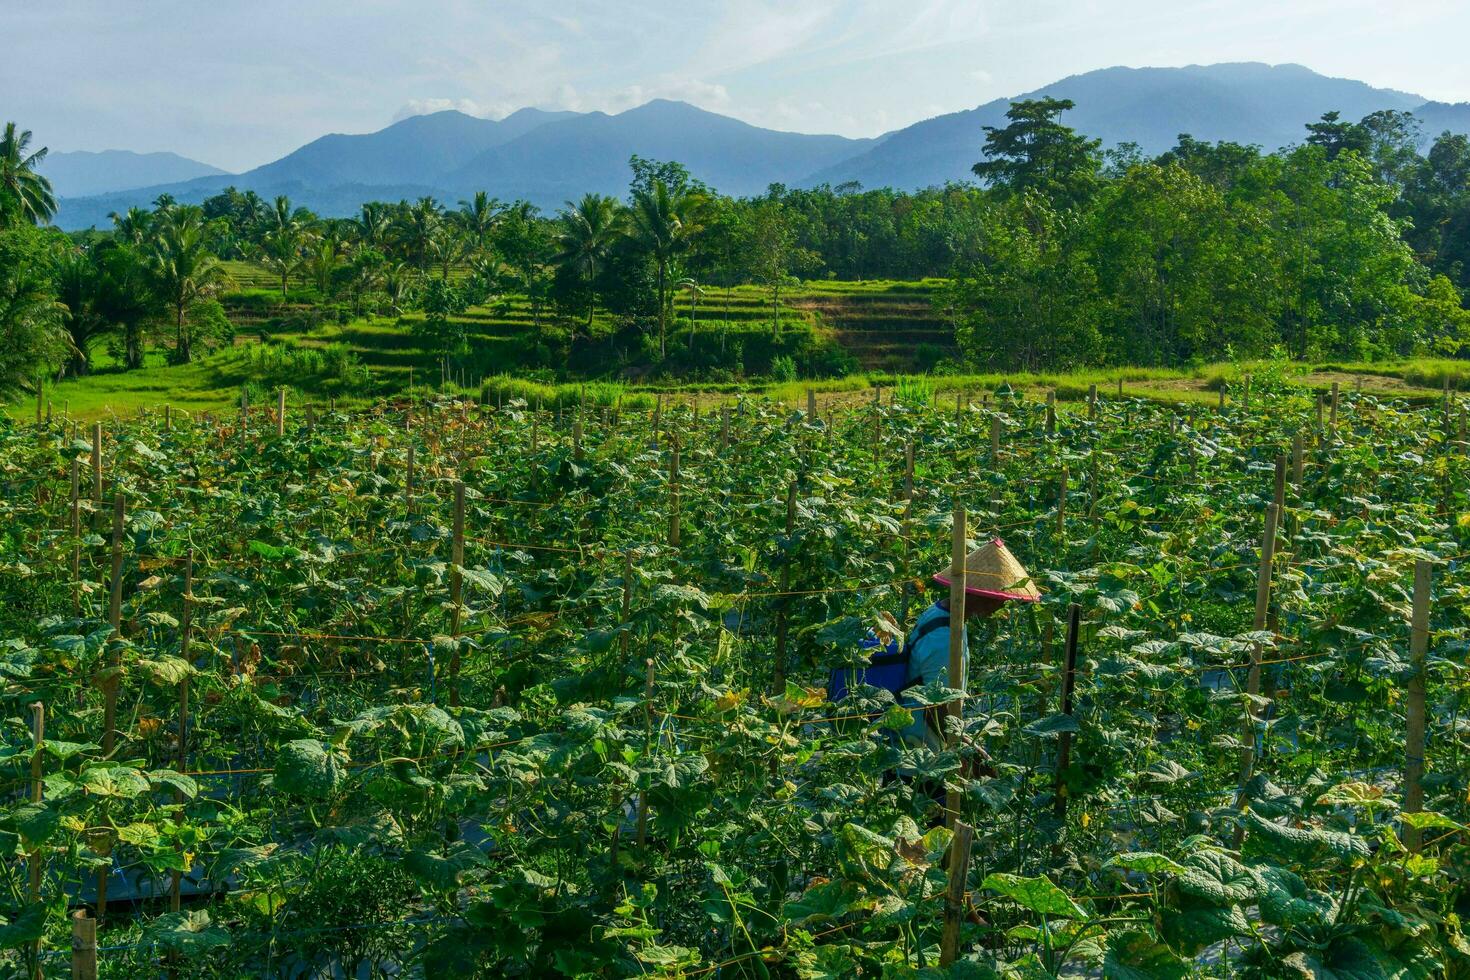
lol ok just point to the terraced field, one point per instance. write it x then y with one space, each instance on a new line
887 326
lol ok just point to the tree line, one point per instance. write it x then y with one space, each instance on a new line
1352 244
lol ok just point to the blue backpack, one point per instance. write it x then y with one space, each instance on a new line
887 667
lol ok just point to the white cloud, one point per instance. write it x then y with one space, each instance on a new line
423 107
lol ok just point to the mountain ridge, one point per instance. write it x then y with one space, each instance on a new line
551 156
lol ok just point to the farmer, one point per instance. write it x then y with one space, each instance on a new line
993 577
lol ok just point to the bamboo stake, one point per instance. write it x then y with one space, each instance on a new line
994 439
674 516
97 463
186 632
1051 413
648 729
76 537
1414 739
954 893
456 590
778 683
1279 494
1334 409
83 946
955 678
1064 743
114 619
811 406
1253 677
34 860
281 412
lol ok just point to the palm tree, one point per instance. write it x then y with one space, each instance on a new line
280 252
663 223
588 230
372 226
478 216
25 196
183 268
125 296
445 247
75 279
132 226
416 227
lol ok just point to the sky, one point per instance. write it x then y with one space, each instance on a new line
236 83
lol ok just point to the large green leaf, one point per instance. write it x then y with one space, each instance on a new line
189 933
25 928
1136 955
306 767
1193 927
1218 878
1307 845
1039 894
1287 901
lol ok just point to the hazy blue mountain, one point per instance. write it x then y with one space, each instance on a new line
563 160
1437 117
412 151
1267 105
551 157
79 173
401 160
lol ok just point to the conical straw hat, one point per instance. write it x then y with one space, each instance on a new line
992 571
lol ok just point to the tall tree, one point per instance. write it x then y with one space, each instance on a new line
1036 153
184 270
76 282
586 232
125 296
478 217
664 221
25 196
417 225
30 317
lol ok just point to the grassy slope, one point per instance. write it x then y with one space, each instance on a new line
884 324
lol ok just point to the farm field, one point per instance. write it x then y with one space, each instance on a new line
434 688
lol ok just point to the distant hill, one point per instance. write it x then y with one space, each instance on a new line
81 173
550 157
563 160
1266 105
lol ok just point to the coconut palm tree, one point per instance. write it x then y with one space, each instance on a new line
664 220
588 230
372 226
125 296
478 217
183 269
281 251
416 227
132 226
25 196
76 281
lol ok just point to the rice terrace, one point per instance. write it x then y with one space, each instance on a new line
1018 539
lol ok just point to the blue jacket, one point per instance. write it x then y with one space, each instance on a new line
929 662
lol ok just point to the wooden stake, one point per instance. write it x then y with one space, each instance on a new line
648 727
456 590
76 537
1253 677
408 478
577 438
627 616
954 893
1051 413
955 677
1092 401
1064 742
1062 507
778 682
811 406
281 412
1221 406
97 463
83 946
1279 494
1414 738
674 517
1333 423
994 439
1298 462
114 619
186 635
